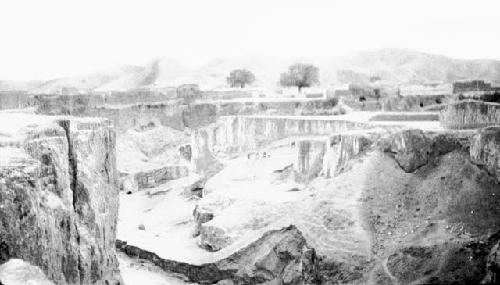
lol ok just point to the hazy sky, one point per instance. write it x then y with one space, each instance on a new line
44 39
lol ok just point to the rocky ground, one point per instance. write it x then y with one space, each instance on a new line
385 205
412 208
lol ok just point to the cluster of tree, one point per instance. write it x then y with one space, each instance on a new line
240 77
299 75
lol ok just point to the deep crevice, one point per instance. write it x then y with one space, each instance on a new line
72 163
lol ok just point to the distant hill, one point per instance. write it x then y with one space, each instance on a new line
392 66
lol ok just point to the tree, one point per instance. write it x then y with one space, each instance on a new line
240 77
300 75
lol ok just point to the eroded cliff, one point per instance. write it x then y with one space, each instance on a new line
470 115
59 197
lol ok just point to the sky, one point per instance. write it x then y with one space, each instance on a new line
53 38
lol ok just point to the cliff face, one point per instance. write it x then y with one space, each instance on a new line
234 134
59 197
310 156
470 115
485 150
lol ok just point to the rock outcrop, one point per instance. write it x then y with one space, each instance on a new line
485 150
278 257
412 149
59 197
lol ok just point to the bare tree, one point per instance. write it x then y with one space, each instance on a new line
240 77
300 75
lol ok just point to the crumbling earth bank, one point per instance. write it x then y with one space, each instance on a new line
59 198
438 221
429 210
278 257
485 150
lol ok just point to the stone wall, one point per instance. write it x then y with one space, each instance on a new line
15 100
279 107
470 115
225 94
59 197
142 116
395 103
171 114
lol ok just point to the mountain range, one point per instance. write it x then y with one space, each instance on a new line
391 66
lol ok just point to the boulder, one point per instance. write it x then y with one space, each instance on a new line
213 238
201 215
128 184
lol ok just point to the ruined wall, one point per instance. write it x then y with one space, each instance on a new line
470 115
225 94
142 116
279 107
137 96
145 115
59 197
76 105
15 100
395 103
156 177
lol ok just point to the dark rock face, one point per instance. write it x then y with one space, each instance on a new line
412 149
485 150
59 201
278 257
474 262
